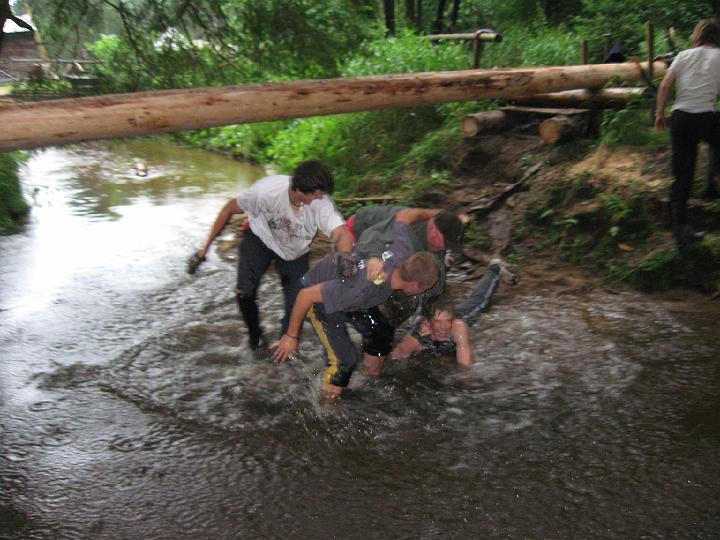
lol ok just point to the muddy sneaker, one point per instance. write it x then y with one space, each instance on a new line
505 272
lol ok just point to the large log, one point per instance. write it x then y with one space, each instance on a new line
49 123
562 128
476 123
604 98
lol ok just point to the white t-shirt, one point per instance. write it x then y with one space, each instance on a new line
288 232
697 73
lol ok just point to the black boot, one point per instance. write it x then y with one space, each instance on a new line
681 231
251 316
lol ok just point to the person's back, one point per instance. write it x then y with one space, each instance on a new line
697 73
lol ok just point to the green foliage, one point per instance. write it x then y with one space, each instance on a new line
625 22
12 205
536 44
631 126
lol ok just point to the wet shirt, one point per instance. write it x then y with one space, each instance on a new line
373 228
697 73
285 230
439 347
358 293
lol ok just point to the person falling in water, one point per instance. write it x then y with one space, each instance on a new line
285 213
446 330
329 299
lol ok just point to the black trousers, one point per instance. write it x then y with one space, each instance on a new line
253 261
686 132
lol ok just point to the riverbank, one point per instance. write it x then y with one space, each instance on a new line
13 207
598 207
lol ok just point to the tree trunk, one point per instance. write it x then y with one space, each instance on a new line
454 15
484 121
562 128
438 23
32 125
390 16
605 98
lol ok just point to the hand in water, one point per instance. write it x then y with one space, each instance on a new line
284 348
194 261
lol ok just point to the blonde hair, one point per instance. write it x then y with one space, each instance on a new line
706 32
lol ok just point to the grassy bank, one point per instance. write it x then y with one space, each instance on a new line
12 206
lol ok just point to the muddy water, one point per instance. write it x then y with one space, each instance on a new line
130 408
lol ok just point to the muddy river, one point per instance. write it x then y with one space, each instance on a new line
131 408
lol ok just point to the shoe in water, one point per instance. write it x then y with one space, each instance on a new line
506 272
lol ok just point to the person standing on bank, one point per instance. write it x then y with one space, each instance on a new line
695 118
284 213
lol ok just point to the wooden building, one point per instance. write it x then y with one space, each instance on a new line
19 48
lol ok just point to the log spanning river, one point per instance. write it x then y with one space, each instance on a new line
130 407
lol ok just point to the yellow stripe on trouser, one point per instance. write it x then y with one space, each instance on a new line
334 366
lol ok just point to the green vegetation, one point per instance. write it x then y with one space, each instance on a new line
12 205
416 152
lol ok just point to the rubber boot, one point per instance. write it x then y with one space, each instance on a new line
251 315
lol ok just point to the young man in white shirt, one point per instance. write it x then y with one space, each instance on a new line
696 73
284 213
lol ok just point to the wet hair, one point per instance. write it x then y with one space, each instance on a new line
706 32
452 229
438 304
422 267
311 175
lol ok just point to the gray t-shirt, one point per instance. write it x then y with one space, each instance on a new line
373 229
358 293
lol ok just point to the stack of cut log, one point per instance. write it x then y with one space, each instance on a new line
562 115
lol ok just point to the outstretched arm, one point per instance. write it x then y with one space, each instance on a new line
663 92
291 339
460 334
407 346
220 221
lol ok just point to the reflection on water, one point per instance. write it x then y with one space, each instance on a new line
130 407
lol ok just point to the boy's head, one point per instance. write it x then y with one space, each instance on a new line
311 176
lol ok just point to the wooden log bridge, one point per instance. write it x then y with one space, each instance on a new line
47 123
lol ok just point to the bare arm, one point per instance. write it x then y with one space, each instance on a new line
460 334
289 341
220 221
663 92
342 240
407 346
413 215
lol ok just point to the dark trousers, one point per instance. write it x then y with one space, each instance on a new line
686 132
479 300
254 258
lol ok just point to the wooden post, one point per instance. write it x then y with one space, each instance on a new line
48 123
650 34
584 52
477 51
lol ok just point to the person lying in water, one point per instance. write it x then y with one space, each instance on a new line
446 329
